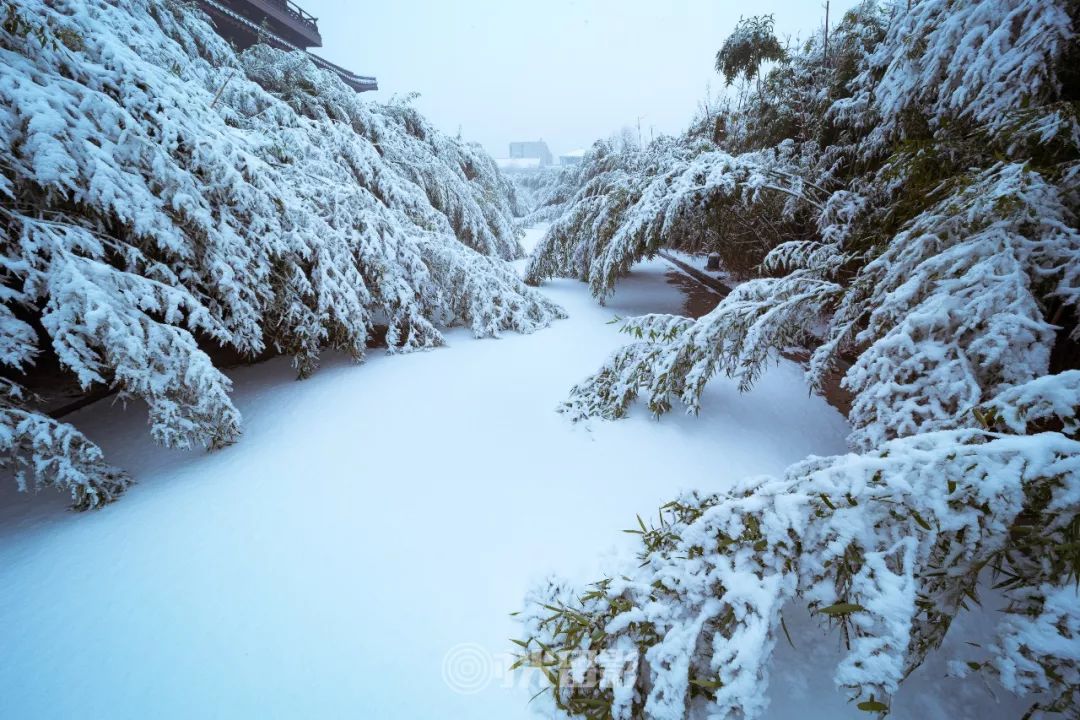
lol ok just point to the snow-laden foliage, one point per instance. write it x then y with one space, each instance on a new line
990 64
952 313
543 193
915 231
161 197
886 546
30 442
953 306
752 43
634 202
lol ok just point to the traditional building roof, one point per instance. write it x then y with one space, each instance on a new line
280 23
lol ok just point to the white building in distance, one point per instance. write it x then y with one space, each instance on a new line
537 149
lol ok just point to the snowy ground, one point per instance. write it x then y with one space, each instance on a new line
371 520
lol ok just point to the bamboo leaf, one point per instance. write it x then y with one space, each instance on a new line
919 519
786 633
843 608
873 705
707 684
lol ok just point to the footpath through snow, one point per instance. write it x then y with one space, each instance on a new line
357 553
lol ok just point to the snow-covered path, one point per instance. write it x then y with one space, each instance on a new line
371 519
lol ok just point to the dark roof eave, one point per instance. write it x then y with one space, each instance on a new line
359 83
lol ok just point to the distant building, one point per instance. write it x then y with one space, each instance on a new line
279 23
537 149
574 157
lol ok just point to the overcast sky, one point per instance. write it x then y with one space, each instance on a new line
567 71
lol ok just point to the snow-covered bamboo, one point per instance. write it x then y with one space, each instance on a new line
161 195
928 242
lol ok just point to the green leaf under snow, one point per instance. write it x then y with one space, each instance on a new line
843 608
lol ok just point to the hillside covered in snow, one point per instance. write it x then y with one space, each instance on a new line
165 201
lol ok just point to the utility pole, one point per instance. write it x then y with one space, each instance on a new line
827 31
639 117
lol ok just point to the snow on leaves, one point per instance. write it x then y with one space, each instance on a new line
920 230
160 195
887 546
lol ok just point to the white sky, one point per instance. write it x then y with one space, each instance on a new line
567 71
